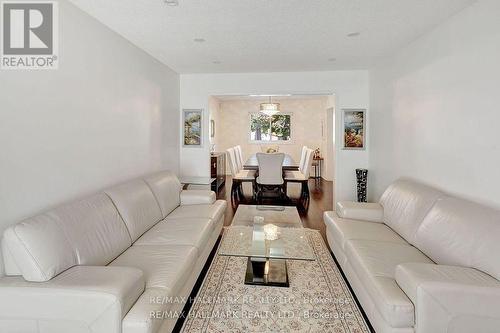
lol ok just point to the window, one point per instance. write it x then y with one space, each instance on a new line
274 128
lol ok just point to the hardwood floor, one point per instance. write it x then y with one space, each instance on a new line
320 200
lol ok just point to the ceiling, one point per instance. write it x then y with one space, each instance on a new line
271 35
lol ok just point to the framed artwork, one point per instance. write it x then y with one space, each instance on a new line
354 129
193 128
212 128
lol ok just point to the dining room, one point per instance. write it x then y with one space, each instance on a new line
278 148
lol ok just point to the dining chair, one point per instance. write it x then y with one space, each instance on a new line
270 177
302 157
302 175
239 176
239 156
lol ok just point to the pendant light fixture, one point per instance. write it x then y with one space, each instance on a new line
270 109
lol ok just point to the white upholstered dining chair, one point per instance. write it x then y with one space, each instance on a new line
239 157
302 157
270 177
239 175
302 175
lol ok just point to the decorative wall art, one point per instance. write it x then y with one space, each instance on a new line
354 129
193 131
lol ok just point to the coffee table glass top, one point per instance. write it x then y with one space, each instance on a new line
281 216
266 232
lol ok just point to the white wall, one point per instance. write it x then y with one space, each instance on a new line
329 143
329 139
435 111
350 89
308 115
109 113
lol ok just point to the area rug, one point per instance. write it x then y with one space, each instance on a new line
318 299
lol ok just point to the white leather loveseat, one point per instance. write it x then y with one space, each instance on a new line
420 260
123 260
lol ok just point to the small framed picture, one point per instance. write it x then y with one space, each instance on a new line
193 128
354 129
212 128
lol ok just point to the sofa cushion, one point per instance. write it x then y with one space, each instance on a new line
40 248
343 230
137 206
86 232
411 275
405 205
185 231
166 188
164 266
125 283
462 233
148 313
214 211
81 299
375 264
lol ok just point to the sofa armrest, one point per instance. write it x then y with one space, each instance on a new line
372 212
92 297
451 298
197 197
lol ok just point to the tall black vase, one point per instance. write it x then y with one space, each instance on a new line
362 178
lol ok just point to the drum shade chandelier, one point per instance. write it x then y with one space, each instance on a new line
270 109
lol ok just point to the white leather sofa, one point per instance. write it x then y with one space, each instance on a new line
123 260
420 260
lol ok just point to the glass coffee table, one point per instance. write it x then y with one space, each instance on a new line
267 236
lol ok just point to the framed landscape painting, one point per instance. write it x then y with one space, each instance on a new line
354 124
193 131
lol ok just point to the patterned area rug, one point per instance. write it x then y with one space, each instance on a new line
318 299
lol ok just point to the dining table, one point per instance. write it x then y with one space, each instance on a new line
288 163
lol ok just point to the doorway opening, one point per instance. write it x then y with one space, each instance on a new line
303 120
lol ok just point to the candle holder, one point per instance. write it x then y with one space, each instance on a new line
270 232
